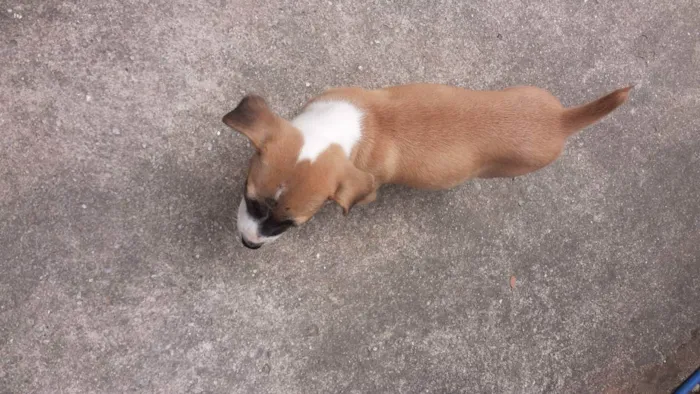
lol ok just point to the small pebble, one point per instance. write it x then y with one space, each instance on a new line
143 146
218 133
359 68
83 206
209 147
196 256
318 255
308 84
116 131
88 98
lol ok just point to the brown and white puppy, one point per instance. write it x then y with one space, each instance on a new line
347 142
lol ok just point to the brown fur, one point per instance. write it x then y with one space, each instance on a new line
422 135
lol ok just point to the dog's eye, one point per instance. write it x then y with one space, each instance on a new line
256 209
270 202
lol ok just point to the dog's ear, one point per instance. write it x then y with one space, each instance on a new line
253 118
353 187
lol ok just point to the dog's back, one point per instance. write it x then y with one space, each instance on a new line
438 136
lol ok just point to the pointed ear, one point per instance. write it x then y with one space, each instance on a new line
253 118
355 186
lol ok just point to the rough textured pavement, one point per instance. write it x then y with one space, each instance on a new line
120 269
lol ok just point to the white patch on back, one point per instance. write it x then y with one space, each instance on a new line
325 123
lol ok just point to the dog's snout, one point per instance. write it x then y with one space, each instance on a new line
273 228
250 245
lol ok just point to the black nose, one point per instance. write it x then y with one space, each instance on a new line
249 244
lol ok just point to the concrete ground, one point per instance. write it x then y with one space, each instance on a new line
121 271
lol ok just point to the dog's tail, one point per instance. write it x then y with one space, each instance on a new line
576 118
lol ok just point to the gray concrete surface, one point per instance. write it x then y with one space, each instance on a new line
120 270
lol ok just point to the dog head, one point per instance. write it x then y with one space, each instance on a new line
284 188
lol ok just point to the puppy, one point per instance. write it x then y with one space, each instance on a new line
347 142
